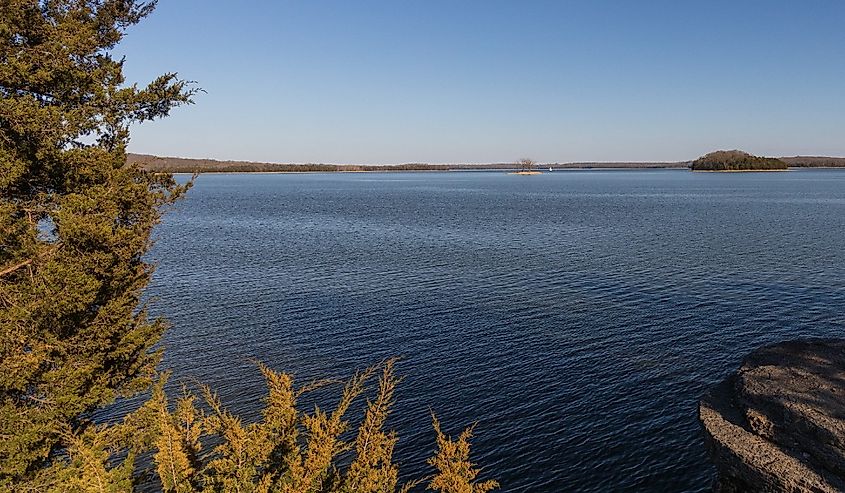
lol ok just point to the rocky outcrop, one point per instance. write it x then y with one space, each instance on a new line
778 423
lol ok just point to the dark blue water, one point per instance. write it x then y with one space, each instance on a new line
577 316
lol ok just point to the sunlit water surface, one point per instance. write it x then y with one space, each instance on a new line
576 316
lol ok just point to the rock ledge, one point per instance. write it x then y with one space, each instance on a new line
778 423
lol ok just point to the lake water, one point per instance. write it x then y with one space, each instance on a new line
576 316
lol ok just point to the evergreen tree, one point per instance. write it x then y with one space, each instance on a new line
75 222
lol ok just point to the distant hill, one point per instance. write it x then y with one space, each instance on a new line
189 165
736 161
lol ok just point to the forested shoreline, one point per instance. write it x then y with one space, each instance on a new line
736 161
192 165
189 165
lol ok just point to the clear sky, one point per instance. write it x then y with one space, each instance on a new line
494 81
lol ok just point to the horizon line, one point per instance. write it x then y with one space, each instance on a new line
465 163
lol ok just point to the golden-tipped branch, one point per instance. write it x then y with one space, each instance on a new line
285 451
455 472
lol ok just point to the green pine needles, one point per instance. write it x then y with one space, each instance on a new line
75 223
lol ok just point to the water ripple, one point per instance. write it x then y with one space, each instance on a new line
576 316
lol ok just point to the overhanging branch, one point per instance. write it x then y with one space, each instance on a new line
13 268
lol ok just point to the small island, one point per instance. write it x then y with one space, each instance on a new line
737 161
526 167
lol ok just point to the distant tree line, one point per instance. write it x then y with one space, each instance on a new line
736 161
189 165
814 161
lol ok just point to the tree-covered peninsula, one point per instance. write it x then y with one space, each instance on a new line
737 161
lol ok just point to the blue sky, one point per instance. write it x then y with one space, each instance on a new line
494 81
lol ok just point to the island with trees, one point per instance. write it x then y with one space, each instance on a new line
526 166
737 161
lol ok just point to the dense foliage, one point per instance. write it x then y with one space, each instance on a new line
736 161
814 161
75 223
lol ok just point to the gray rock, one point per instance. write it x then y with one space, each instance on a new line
778 423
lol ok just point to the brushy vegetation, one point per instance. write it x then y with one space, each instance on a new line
736 161
75 223
196 445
